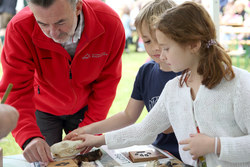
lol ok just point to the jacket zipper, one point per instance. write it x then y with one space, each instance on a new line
70 77
38 89
70 73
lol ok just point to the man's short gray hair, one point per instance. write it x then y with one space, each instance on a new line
48 3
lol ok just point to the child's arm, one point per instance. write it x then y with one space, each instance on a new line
8 119
117 121
237 147
145 132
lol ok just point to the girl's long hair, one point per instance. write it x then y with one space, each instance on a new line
189 23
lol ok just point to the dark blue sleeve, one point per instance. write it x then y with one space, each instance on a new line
136 93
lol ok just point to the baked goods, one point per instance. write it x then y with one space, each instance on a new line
65 148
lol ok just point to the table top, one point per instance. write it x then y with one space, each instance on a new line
15 160
112 158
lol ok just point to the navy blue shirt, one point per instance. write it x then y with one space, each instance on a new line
148 86
8 6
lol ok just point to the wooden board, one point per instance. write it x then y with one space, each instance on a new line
67 163
141 156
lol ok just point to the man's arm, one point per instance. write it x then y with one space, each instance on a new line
19 69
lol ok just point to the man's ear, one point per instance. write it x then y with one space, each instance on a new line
79 7
195 46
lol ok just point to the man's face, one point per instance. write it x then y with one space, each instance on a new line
58 21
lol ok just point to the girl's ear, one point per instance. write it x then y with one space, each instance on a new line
195 46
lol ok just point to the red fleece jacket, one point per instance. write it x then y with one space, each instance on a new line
46 78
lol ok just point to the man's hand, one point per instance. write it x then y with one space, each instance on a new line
38 150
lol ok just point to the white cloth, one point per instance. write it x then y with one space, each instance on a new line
223 111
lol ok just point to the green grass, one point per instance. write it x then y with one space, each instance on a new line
243 62
131 64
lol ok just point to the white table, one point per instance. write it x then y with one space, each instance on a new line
110 158
15 161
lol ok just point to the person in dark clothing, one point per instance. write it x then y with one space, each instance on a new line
7 11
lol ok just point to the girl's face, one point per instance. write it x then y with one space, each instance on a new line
177 57
151 46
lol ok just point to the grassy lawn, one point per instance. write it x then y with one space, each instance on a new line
131 64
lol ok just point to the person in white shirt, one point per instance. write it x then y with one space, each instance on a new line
207 106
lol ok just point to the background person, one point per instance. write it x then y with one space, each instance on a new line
125 18
8 119
7 11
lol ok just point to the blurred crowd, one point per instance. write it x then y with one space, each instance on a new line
235 13
128 11
232 13
235 17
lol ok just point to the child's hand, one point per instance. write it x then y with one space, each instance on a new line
198 145
74 133
89 141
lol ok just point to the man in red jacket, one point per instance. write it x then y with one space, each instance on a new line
64 60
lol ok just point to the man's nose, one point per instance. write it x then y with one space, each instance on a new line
54 31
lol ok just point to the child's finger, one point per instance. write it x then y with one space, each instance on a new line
192 135
70 136
186 148
81 146
78 138
186 141
86 150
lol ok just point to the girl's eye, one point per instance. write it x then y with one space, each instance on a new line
165 49
147 42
